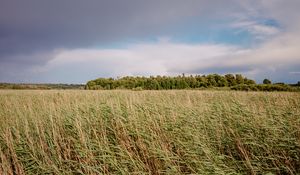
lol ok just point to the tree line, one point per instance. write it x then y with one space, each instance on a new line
40 86
167 82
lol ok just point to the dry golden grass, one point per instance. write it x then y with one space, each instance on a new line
149 132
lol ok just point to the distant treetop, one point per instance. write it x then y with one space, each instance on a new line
167 82
267 81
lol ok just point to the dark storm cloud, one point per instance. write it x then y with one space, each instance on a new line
42 25
31 31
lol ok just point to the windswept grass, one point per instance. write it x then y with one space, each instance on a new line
149 132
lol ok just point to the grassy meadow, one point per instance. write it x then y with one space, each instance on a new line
149 132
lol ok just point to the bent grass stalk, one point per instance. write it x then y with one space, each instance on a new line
149 132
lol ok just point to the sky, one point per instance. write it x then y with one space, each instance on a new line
74 41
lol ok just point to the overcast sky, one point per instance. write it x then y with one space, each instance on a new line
73 41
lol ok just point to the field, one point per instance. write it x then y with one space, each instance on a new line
149 132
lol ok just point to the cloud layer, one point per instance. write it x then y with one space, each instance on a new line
73 41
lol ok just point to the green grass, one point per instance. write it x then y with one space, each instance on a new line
149 132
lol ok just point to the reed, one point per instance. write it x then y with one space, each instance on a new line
149 132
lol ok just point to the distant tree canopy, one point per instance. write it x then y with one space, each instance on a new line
166 82
267 81
40 86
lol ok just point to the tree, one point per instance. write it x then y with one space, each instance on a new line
230 79
211 80
239 79
166 82
222 82
248 81
267 81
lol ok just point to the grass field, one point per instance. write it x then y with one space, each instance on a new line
149 132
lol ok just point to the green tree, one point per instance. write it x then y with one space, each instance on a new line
239 79
249 82
211 81
165 82
267 81
222 82
230 79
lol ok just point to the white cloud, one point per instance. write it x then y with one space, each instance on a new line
142 59
260 31
167 58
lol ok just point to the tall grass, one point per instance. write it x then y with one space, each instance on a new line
149 132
